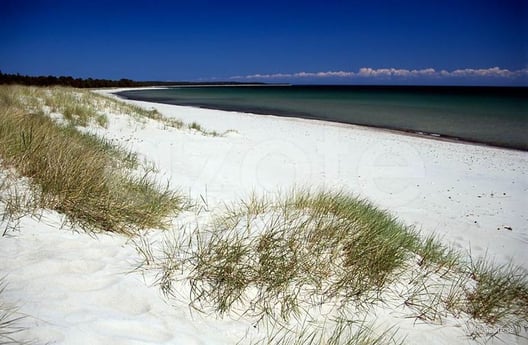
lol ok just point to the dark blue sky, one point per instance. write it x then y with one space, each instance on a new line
437 42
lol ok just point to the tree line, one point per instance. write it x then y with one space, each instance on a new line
70 81
90 82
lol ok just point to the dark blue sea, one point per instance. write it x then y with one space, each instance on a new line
488 115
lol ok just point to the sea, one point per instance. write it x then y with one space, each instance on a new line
496 116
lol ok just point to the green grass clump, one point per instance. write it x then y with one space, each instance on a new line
321 246
80 175
282 260
195 126
501 293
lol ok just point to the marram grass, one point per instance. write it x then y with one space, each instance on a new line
78 174
322 246
282 260
81 107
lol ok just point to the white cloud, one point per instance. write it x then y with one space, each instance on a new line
489 72
339 74
396 73
264 76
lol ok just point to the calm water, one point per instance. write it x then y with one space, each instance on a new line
495 116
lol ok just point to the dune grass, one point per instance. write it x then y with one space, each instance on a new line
324 246
9 320
500 294
78 107
78 174
284 259
141 113
82 107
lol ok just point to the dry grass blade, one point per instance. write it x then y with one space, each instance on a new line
9 321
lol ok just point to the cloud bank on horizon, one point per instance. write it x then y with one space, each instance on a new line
366 73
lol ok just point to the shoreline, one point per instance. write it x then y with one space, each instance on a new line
298 115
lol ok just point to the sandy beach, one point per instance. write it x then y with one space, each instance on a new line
80 289
468 194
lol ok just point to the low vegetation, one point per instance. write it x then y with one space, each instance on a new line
288 260
80 107
323 247
75 173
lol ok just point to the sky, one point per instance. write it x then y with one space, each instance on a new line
448 42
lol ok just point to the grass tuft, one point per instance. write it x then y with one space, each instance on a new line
277 258
501 293
195 126
433 254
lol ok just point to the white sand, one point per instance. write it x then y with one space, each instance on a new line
77 289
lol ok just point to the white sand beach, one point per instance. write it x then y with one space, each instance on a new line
78 289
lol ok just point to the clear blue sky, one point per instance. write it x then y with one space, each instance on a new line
444 41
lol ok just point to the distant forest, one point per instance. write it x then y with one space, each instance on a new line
89 82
